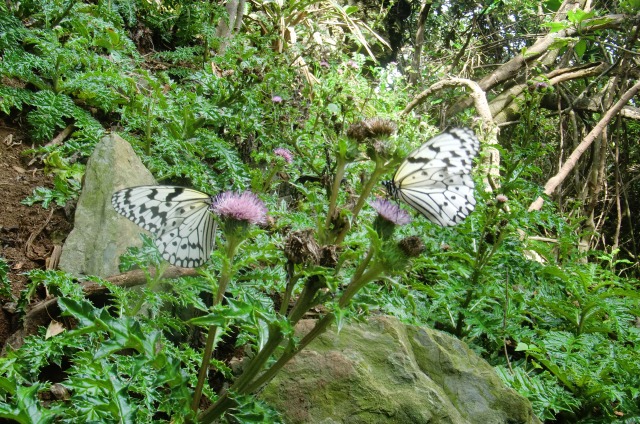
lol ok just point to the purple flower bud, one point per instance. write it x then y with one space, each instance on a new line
284 154
390 211
244 206
352 64
276 99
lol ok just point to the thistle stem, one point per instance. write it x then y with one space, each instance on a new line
304 302
223 282
366 190
152 282
341 167
320 327
267 182
244 384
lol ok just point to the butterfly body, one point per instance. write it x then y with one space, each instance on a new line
178 216
435 179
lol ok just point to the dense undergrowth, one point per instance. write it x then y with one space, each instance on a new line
562 330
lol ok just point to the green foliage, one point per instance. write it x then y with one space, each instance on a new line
66 183
5 284
119 369
573 321
26 409
546 396
141 257
560 329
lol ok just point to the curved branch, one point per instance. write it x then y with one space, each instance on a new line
505 109
478 95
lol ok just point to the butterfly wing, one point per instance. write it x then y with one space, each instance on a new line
446 203
178 216
435 178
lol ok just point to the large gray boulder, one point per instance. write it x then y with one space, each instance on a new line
384 371
100 235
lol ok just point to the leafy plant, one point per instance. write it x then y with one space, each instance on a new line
5 284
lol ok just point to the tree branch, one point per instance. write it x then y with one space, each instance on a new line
513 67
571 161
417 54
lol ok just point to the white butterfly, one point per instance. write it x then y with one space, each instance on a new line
179 218
435 179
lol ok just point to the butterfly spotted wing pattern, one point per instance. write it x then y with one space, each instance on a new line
179 218
435 179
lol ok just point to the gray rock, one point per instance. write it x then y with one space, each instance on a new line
386 372
100 235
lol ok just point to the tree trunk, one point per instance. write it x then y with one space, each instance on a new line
226 28
414 75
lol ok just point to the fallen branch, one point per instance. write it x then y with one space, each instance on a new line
39 314
28 248
478 95
62 136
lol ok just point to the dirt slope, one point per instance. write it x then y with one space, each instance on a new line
27 233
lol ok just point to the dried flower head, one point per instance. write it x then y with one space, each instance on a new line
284 154
244 206
329 256
501 198
390 211
371 128
380 127
358 132
412 246
301 247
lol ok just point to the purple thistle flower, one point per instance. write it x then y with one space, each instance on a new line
324 64
284 154
501 198
276 99
390 211
244 206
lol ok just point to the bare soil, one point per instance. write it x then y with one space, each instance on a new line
27 233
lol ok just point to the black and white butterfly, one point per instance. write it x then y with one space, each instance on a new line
179 218
435 179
